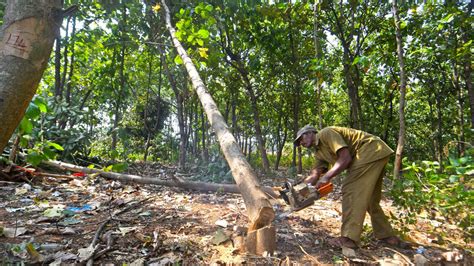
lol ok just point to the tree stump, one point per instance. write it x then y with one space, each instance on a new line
261 240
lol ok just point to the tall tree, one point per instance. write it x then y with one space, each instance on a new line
260 210
28 33
239 59
403 84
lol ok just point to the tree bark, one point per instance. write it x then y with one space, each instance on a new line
121 89
27 34
180 109
350 72
71 67
403 82
317 51
467 35
260 210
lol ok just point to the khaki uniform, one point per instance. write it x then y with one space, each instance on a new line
362 187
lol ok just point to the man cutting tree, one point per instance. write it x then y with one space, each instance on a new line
364 156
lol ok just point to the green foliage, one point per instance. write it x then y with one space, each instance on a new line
216 170
448 193
32 133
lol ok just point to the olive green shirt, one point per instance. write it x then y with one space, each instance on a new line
363 147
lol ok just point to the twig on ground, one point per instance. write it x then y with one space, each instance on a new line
405 258
311 257
95 254
68 177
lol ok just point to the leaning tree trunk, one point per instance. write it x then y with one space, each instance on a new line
260 210
403 83
27 34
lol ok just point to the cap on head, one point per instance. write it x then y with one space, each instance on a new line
302 131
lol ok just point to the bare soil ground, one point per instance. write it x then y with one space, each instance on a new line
55 220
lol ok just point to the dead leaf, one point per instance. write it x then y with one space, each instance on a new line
348 252
221 223
452 256
138 262
62 256
85 253
219 237
125 230
77 183
420 259
13 232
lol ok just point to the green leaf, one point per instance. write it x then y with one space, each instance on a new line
48 153
55 211
203 33
33 111
119 167
34 158
448 18
178 60
200 42
55 145
26 126
460 170
453 178
403 24
42 104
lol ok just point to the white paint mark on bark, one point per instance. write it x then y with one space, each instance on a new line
19 37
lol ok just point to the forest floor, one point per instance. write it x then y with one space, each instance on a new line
55 220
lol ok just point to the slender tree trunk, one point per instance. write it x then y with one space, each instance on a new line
460 95
121 89
65 56
403 81
317 50
260 210
467 36
180 113
205 153
149 129
434 146
258 131
71 67
28 33
57 68
350 71
249 152
353 92
439 134
239 66
280 142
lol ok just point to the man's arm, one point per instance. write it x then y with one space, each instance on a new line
314 175
344 158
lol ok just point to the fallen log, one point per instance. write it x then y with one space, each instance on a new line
177 182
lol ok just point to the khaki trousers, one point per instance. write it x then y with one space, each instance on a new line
361 193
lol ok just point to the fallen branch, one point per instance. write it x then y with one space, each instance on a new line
191 185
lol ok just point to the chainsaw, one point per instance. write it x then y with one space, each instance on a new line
302 195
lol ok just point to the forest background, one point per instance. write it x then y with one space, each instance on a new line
115 91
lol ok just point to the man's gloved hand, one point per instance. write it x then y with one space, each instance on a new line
322 181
